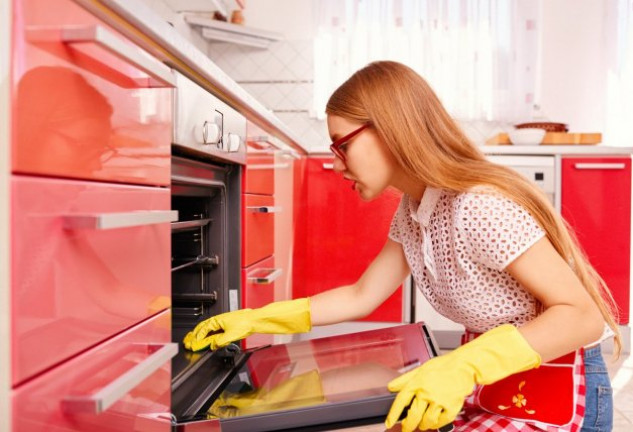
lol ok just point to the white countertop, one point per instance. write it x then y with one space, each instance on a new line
533 150
556 150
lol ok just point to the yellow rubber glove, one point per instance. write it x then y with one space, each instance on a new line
437 389
292 316
299 391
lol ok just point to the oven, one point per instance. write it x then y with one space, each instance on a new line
320 383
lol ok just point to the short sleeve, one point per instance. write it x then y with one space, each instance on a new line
493 229
398 222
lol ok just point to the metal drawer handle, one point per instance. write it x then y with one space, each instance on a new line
606 166
264 209
268 166
328 166
268 279
106 221
111 393
121 49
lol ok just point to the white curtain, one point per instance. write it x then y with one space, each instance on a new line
480 56
619 105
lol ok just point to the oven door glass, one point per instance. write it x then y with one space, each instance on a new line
320 381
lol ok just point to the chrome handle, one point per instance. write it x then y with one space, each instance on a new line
268 166
328 166
129 53
106 221
111 393
269 278
604 166
264 209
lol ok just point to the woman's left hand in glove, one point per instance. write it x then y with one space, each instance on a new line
435 391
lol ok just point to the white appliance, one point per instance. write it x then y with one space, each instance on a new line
539 169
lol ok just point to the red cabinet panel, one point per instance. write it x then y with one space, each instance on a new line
85 103
596 201
337 235
74 285
68 397
259 173
258 234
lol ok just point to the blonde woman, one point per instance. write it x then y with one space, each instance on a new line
486 249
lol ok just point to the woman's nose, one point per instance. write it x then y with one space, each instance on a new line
338 165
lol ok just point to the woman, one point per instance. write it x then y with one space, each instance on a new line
484 246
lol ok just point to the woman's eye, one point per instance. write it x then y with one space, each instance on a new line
343 147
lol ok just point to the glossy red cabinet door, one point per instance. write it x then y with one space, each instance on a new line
85 100
258 233
74 281
596 201
117 386
337 235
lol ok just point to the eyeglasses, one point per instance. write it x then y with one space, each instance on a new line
338 146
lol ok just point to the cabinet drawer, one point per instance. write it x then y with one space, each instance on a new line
88 103
115 386
74 285
258 239
259 174
258 281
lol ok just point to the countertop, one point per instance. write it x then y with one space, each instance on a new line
534 150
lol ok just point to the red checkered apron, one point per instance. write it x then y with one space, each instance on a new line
473 418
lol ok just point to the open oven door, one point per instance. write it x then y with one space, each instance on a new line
320 383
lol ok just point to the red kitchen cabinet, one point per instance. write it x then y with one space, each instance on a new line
72 285
337 234
596 202
90 241
117 386
260 215
88 103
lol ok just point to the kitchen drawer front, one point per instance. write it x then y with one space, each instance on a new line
115 386
74 285
596 202
258 281
259 175
86 100
258 238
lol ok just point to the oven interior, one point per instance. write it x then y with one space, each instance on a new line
205 273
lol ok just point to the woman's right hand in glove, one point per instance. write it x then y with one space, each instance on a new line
292 316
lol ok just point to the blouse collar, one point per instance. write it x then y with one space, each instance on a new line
421 213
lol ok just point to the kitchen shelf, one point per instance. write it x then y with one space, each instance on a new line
233 33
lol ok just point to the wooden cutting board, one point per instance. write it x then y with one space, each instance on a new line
554 138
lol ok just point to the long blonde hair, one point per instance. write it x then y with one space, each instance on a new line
429 146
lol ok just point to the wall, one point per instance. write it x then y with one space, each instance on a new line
573 73
571 86
280 77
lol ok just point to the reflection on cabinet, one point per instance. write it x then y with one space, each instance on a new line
337 235
596 202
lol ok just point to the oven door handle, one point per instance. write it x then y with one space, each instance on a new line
107 396
123 50
104 221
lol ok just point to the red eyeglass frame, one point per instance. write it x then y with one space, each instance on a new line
335 146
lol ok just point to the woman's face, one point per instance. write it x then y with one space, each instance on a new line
369 165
